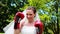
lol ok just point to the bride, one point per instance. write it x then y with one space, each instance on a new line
29 24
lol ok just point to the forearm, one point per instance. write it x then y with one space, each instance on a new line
16 25
16 31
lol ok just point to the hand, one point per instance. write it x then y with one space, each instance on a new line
39 26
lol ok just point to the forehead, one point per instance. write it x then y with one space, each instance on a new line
29 11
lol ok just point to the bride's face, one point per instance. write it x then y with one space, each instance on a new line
30 14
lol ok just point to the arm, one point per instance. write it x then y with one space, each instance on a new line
16 31
17 25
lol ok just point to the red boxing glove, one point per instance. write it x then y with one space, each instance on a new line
19 16
39 27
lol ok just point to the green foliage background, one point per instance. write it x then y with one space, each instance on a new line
49 13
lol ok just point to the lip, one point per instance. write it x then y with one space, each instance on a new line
28 18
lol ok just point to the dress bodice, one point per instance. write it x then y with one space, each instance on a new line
28 30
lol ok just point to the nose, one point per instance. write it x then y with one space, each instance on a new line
28 16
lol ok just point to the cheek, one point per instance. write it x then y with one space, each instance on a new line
32 16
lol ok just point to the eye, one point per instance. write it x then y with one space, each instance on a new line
26 14
30 14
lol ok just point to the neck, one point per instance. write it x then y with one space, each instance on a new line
31 21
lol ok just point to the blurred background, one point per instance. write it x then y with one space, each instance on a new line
49 13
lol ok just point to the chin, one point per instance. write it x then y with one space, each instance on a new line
29 19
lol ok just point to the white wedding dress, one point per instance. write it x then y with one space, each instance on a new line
28 30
